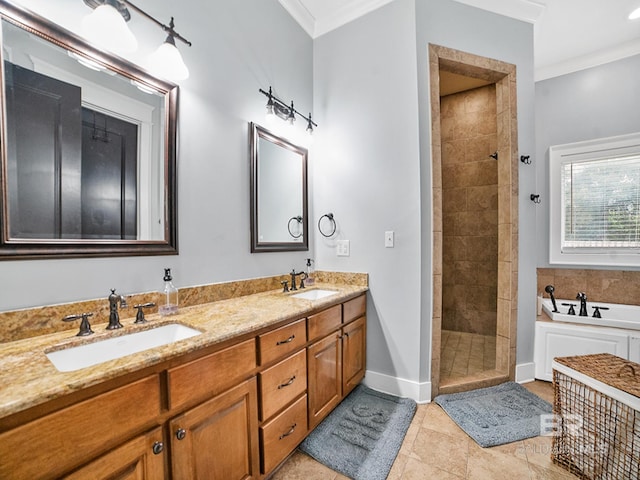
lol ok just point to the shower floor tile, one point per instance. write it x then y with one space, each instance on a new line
466 354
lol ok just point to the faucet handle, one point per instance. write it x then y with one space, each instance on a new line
140 314
85 326
285 286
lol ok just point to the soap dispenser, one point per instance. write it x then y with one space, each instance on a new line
170 305
311 278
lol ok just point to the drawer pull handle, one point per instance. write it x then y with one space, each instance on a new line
291 380
288 340
158 447
181 433
289 432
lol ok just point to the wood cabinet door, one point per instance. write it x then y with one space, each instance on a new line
354 342
139 459
55 444
218 439
324 363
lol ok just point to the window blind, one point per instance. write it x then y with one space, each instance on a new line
601 204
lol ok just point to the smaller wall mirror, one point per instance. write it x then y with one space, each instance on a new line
278 193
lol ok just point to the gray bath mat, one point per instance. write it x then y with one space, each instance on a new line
496 415
362 436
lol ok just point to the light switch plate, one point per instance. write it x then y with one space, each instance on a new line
342 248
389 239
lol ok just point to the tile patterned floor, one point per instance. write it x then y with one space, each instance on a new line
436 448
465 355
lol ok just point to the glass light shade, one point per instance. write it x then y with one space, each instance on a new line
106 27
166 62
635 14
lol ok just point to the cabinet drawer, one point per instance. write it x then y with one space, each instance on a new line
282 434
211 375
324 322
52 445
354 308
282 383
280 342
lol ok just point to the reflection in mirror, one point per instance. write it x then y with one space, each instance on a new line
88 158
278 193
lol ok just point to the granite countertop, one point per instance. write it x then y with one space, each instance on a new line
28 378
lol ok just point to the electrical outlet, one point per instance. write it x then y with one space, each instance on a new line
388 239
342 248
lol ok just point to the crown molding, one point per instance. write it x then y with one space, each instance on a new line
300 14
525 10
590 60
316 27
347 13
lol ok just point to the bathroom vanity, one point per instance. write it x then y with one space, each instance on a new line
230 403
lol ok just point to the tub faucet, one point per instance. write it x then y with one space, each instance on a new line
550 289
114 318
583 304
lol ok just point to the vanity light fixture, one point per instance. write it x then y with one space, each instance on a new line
277 108
635 14
106 26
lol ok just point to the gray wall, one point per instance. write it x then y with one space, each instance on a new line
365 94
598 102
371 93
238 47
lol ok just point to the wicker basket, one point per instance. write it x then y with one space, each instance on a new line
597 416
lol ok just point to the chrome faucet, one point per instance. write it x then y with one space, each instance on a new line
583 304
114 318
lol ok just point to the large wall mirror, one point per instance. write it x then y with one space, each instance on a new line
88 148
278 193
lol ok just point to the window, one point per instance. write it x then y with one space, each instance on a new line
595 202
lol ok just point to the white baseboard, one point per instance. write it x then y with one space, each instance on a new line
525 372
420 392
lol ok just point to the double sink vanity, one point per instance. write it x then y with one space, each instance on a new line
224 389
231 398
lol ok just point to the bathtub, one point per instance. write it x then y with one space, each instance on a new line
618 315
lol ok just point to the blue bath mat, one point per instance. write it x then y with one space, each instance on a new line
362 436
496 415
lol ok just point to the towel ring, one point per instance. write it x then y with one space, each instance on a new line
332 220
299 220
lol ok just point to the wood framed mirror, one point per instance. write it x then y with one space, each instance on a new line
279 213
88 148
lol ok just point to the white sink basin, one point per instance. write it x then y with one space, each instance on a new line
314 294
82 356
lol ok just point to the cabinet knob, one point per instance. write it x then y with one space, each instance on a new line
181 433
158 447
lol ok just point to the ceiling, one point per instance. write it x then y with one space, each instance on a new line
569 35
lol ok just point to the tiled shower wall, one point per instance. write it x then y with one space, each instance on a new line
470 211
607 286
